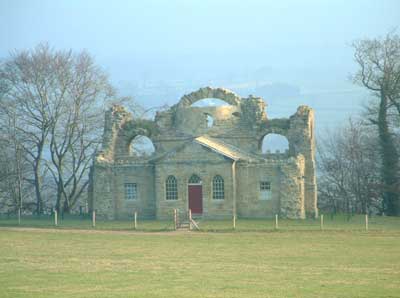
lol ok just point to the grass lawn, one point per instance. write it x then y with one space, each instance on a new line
298 260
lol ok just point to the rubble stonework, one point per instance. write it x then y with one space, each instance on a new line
186 146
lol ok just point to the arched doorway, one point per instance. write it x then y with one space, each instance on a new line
195 194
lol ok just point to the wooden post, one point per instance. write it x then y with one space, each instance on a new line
135 220
19 216
234 188
276 221
55 218
175 220
94 219
322 221
190 219
234 222
366 222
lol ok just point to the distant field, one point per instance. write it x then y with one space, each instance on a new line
298 260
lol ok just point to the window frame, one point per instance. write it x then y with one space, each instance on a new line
218 188
195 180
171 194
265 190
131 194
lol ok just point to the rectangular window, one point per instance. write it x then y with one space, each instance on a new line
130 191
265 190
265 185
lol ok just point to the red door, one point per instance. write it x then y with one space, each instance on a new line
196 199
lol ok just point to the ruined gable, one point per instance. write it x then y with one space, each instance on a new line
191 152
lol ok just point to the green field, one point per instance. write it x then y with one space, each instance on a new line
336 223
298 260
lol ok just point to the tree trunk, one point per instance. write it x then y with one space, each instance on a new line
39 205
66 207
389 160
58 200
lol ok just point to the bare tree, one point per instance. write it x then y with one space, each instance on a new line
349 171
379 72
57 98
14 170
24 88
75 131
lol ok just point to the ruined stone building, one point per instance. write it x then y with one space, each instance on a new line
215 169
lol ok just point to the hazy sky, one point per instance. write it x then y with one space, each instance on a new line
208 42
157 38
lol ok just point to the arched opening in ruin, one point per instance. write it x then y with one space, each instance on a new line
209 121
210 102
274 143
141 146
208 93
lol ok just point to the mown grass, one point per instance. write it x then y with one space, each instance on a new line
86 223
295 261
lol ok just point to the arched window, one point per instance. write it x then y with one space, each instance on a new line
218 188
194 179
274 143
141 146
171 188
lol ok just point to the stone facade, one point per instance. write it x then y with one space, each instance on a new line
253 184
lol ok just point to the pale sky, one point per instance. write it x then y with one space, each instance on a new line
304 43
133 37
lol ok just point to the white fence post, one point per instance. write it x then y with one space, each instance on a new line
135 220
276 221
366 222
190 219
175 220
55 218
234 222
19 216
94 219
322 221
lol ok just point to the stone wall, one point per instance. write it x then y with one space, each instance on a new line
102 195
287 186
243 124
206 165
143 176
249 203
